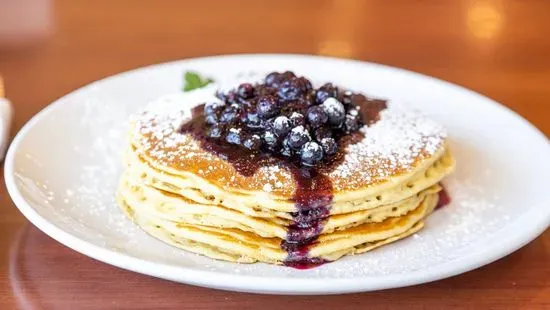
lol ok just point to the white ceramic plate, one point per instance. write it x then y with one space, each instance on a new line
62 169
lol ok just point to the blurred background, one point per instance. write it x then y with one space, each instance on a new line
48 47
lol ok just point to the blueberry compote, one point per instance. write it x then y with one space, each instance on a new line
286 121
444 198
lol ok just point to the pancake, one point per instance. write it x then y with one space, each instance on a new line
392 151
174 208
256 208
201 190
237 245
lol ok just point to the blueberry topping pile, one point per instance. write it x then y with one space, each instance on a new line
286 116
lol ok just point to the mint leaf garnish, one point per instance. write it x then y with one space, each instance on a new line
193 80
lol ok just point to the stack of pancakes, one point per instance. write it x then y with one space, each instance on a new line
184 195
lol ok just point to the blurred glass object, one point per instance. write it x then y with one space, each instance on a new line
484 20
24 22
335 48
339 38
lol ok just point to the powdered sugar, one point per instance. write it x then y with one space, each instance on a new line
394 144
311 147
300 130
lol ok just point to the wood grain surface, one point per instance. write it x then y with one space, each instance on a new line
499 48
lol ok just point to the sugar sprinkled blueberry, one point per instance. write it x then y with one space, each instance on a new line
229 114
212 107
281 125
329 146
286 150
216 131
211 119
297 137
267 107
322 133
311 153
245 90
316 116
285 115
297 119
252 119
287 75
270 139
352 123
346 97
335 111
234 136
324 92
253 142
294 88
272 78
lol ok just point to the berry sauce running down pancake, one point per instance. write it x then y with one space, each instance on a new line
286 140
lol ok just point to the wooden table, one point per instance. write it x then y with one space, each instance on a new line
498 48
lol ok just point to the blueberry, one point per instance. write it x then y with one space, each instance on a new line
231 97
297 119
303 83
253 120
220 95
294 88
316 116
253 142
297 137
242 116
272 78
275 79
234 136
267 107
322 133
270 139
245 90
286 151
326 91
282 115
353 111
346 97
329 146
212 107
211 119
352 123
216 131
335 111
229 114
311 153
281 126
289 92
287 75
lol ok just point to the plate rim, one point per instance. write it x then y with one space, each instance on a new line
260 284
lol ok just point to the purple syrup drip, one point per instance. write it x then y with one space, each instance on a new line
444 198
314 191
